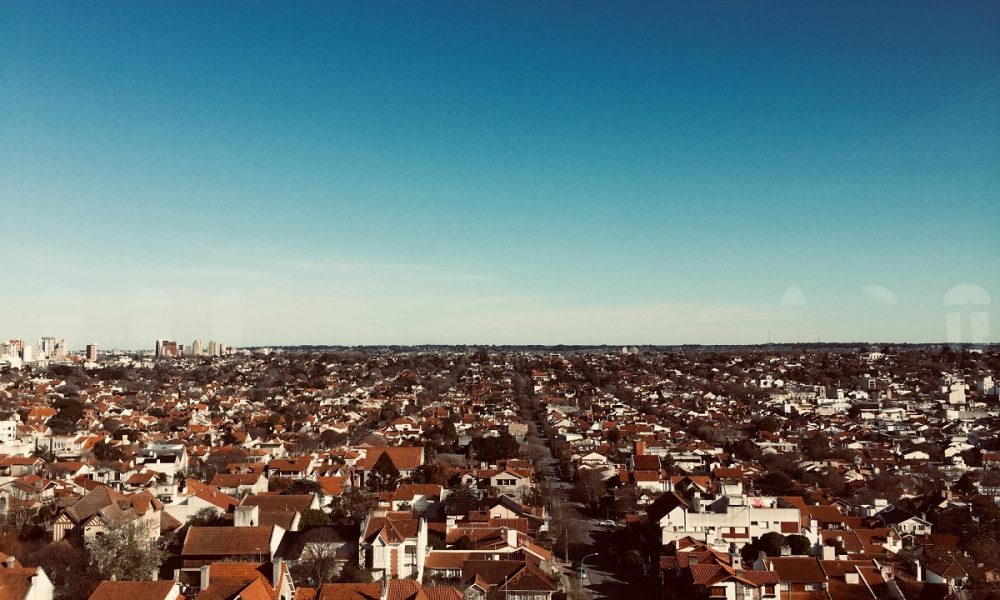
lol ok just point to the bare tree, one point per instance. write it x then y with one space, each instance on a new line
591 487
564 526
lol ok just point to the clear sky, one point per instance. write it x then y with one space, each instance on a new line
508 172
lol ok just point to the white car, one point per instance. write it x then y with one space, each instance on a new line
606 523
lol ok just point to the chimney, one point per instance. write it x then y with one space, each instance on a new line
735 560
919 570
9 562
696 501
277 566
640 448
512 537
852 578
246 516
205 578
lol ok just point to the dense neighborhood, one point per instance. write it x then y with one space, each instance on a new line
770 472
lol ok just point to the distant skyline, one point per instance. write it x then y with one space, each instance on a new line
506 173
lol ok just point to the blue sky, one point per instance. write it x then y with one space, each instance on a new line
497 172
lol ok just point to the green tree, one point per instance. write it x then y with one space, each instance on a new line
313 517
798 544
204 517
302 487
384 475
125 552
775 484
105 452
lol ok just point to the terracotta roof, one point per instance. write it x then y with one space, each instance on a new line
247 580
279 502
332 486
798 569
350 591
392 528
15 581
403 457
227 541
134 590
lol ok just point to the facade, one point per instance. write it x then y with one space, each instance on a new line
732 517
393 545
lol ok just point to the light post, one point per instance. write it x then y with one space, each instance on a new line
582 571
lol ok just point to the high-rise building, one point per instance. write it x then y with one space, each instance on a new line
92 352
196 348
166 348
213 348
46 347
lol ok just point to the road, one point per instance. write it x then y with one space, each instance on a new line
607 579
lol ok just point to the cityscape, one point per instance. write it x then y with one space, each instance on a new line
500 300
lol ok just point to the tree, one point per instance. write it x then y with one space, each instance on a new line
126 552
775 484
564 526
350 507
67 568
204 517
302 487
491 449
384 475
352 573
105 452
966 485
317 564
591 487
770 544
798 544
313 517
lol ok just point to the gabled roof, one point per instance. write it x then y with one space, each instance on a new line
393 528
227 541
243 580
134 590
403 457
350 591
15 582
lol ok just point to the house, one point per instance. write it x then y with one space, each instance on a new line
419 498
730 517
137 590
24 583
509 482
393 544
103 507
405 458
513 579
205 545
701 572
797 573
238 484
350 591
273 509
163 458
905 522
198 496
224 580
947 572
